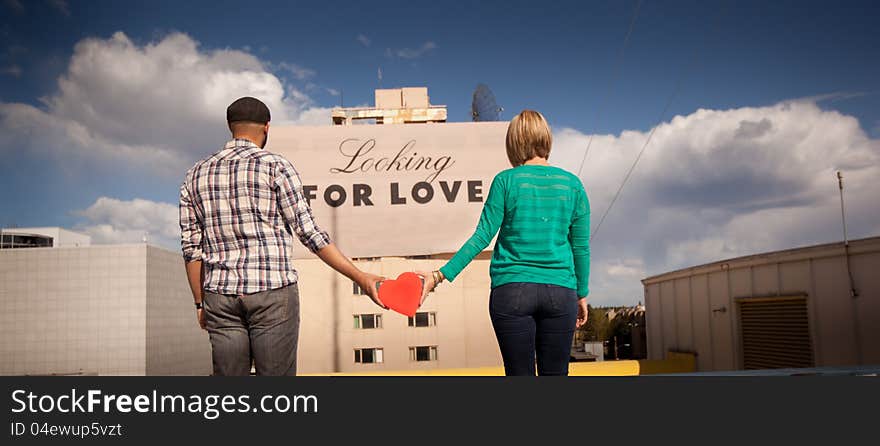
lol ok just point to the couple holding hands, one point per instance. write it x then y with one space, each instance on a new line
241 207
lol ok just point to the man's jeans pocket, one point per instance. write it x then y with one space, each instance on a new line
269 308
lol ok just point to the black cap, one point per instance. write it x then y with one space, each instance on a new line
248 109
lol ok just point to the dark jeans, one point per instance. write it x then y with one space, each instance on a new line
263 326
530 318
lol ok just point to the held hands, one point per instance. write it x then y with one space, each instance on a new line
404 295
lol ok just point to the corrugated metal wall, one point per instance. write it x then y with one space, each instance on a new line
696 309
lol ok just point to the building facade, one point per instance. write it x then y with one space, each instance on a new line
44 237
342 330
98 310
792 308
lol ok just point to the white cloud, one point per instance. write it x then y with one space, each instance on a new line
161 104
364 40
11 70
717 184
315 116
118 221
836 96
626 268
413 53
300 73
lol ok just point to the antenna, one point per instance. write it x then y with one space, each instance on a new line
484 107
852 287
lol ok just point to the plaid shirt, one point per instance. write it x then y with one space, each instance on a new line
237 210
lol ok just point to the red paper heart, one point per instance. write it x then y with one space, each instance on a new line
403 294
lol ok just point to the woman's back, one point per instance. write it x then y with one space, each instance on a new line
542 217
546 215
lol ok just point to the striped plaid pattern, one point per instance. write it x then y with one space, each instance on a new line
237 210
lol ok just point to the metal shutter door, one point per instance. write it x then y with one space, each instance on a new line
775 332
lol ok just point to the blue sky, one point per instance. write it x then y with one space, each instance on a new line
557 57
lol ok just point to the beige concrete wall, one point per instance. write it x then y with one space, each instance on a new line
105 310
415 97
175 345
389 98
695 309
317 320
73 310
463 334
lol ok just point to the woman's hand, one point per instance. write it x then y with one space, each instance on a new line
428 286
583 314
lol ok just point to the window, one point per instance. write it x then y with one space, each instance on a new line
368 355
423 320
423 353
8 241
365 321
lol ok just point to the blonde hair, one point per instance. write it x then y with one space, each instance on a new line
528 136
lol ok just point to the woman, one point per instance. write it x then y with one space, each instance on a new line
541 262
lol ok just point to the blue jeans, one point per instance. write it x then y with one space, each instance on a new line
531 318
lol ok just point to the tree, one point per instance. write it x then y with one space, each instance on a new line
597 326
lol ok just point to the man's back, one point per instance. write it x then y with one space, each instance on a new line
238 211
238 208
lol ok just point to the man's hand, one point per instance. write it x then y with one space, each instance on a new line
200 316
583 314
428 286
367 282
334 258
195 275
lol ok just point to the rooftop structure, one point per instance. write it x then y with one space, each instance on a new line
394 106
790 309
43 237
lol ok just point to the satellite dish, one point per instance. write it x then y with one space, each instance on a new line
484 107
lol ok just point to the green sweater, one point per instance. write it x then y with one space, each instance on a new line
544 217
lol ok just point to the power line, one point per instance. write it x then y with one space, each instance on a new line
651 134
615 71
636 162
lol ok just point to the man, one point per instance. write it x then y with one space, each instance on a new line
237 210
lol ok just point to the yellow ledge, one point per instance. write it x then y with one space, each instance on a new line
675 362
